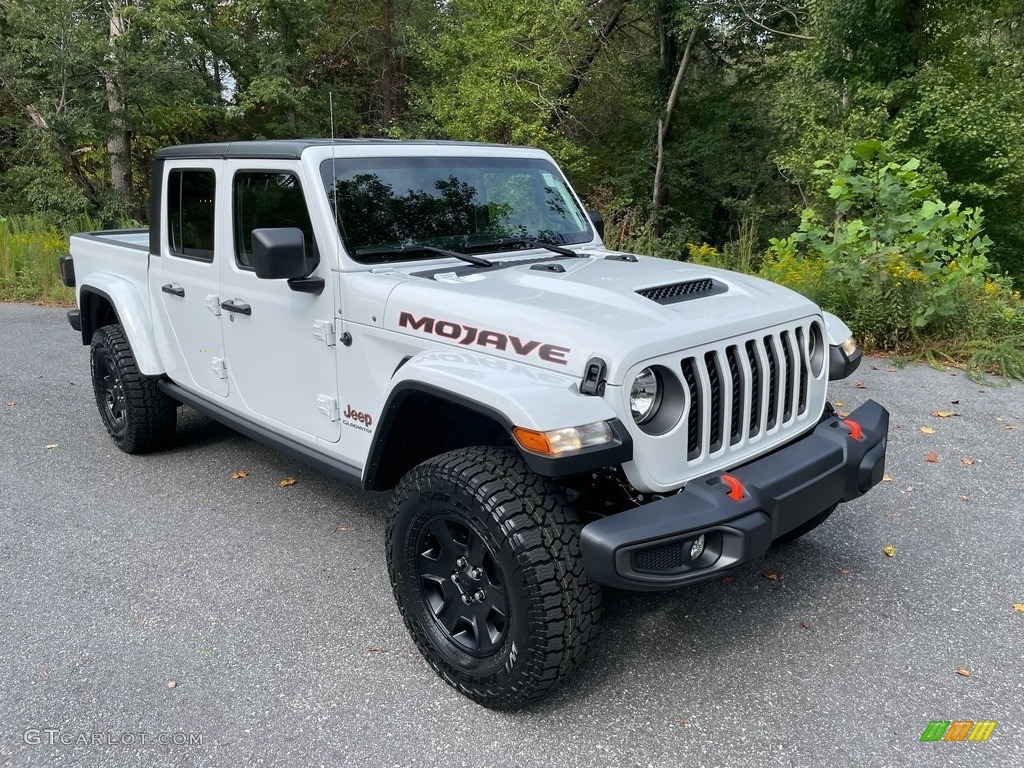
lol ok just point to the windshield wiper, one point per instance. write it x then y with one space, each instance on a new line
384 250
519 241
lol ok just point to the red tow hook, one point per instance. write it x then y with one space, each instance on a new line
855 431
735 487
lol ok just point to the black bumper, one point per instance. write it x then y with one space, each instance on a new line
649 547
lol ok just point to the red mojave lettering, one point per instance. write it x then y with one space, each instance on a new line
467 335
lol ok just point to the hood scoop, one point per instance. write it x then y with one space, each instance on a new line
689 289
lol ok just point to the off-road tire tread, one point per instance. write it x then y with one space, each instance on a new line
151 416
543 530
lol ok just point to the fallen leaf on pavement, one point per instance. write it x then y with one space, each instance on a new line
886 478
51 446
966 461
1009 426
932 457
954 402
684 721
772 576
239 474
944 414
11 403
373 649
804 625
342 529
172 683
843 571
286 482
842 414
963 671
928 430
1018 607
891 370
837 404
727 579
861 385
965 498
890 550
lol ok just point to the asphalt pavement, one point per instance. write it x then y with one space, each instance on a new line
155 611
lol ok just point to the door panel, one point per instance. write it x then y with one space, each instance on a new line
185 283
279 368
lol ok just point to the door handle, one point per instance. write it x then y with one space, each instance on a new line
233 306
174 290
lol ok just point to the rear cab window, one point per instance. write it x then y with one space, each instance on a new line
191 220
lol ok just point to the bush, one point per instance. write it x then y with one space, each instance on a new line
907 271
30 252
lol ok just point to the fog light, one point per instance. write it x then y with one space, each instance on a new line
697 548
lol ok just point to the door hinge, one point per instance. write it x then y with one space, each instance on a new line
323 330
328 406
213 304
219 367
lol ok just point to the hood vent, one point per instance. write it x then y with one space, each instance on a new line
691 289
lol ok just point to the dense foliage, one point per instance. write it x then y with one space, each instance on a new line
706 123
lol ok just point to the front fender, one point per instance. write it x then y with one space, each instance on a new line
132 313
525 396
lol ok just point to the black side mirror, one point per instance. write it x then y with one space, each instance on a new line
597 220
279 253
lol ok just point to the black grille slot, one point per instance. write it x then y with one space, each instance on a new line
667 557
755 387
804 372
715 381
670 294
773 379
787 403
732 355
696 406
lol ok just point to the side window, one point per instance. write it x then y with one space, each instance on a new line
190 207
270 199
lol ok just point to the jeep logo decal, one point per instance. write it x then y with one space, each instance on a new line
467 335
363 418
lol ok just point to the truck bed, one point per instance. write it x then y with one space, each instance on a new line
123 253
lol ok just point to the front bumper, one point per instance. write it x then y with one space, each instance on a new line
649 547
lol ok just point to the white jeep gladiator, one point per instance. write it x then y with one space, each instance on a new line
442 320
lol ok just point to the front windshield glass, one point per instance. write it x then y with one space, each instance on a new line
475 204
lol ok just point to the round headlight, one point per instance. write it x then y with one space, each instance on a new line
643 396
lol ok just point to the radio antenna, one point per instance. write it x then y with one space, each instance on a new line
334 169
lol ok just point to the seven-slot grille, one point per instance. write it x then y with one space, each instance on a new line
745 389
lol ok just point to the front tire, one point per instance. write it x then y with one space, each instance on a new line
485 566
137 414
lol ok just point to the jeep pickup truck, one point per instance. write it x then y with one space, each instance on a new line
442 321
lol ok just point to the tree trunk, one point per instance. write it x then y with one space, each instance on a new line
582 68
664 123
67 157
387 82
119 148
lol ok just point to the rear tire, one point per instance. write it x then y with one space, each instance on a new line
137 414
511 540
810 525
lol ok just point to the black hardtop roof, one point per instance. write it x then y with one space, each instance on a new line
289 149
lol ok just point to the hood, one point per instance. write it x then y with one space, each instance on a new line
558 313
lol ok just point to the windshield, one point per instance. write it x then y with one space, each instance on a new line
388 204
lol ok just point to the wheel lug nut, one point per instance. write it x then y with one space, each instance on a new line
455 577
478 573
461 562
466 599
479 595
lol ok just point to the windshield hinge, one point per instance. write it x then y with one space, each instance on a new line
219 367
213 304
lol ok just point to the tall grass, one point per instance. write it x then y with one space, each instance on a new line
30 251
